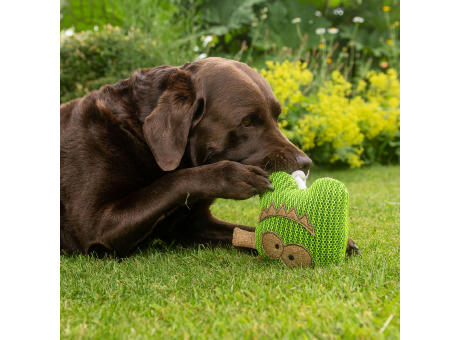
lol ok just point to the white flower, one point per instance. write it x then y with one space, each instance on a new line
96 28
358 20
338 11
264 16
296 20
202 56
318 13
69 32
195 49
320 31
333 30
207 39
264 10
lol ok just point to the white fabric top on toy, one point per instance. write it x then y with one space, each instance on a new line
300 178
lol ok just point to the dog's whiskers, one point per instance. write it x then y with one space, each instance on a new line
266 165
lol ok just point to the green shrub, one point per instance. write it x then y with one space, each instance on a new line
250 30
352 36
90 59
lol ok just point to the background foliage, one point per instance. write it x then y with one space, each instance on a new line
333 64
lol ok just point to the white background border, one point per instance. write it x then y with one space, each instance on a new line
430 163
29 140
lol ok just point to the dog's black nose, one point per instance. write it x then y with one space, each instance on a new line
304 162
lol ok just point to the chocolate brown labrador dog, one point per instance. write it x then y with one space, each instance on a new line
145 158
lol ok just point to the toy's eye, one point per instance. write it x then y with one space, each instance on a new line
246 121
295 255
272 245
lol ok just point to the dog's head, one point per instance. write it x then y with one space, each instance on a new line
216 109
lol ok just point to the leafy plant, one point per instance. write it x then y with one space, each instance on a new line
83 15
90 59
252 30
224 16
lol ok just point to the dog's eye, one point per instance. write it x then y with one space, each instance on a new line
246 121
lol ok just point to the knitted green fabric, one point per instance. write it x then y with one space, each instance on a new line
322 211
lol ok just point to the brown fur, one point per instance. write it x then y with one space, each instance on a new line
149 154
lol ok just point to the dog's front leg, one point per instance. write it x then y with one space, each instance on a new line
126 222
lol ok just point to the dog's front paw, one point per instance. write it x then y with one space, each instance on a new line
237 181
352 248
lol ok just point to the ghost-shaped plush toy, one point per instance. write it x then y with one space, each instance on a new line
300 226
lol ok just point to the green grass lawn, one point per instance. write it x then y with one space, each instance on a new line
172 292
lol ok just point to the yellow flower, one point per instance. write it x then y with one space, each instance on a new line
332 119
361 85
329 60
321 46
390 42
286 79
386 8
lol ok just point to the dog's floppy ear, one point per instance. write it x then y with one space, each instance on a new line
166 129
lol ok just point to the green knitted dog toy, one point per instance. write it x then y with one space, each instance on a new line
300 227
